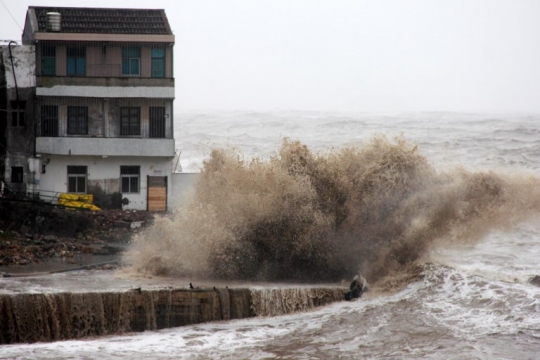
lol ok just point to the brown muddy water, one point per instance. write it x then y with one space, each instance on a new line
457 195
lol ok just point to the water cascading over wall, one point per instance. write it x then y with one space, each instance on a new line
28 318
281 301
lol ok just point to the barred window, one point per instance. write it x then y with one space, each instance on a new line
77 176
130 121
129 177
49 120
157 122
77 120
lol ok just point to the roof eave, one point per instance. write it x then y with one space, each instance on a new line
142 38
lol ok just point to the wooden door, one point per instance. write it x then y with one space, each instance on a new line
157 193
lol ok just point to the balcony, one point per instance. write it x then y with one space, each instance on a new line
99 146
44 81
101 87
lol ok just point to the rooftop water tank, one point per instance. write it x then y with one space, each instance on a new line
53 21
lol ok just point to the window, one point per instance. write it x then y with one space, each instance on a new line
49 120
48 60
158 62
130 121
16 174
77 179
17 113
77 120
76 61
129 176
131 61
157 122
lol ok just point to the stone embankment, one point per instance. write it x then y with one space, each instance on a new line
28 318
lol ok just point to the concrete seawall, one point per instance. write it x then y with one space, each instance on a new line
28 318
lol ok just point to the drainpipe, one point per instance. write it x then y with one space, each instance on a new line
14 77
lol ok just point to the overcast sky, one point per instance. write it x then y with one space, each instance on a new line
367 56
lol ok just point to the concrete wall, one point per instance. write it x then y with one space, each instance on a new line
24 63
30 23
104 172
111 91
182 185
17 142
105 147
28 318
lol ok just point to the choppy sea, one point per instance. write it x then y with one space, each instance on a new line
473 302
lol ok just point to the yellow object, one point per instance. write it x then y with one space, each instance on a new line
86 198
83 201
73 197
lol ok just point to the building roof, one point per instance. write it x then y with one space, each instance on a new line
105 20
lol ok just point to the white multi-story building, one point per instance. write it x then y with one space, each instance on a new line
104 102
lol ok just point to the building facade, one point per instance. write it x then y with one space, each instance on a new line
18 170
104 102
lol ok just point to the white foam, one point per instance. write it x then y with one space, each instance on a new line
473 308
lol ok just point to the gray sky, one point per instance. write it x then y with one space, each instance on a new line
377 55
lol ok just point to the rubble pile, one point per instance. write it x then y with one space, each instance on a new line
16 249
31 233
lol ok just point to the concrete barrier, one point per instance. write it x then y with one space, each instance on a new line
28 318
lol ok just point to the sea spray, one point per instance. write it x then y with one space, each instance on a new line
376 209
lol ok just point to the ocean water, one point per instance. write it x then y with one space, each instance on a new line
472 299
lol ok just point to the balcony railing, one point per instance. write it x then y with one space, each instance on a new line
101 80
153 129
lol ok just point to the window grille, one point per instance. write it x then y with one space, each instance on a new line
157 122
130 121
77 120
49 120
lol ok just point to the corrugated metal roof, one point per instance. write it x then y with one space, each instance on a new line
105 20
